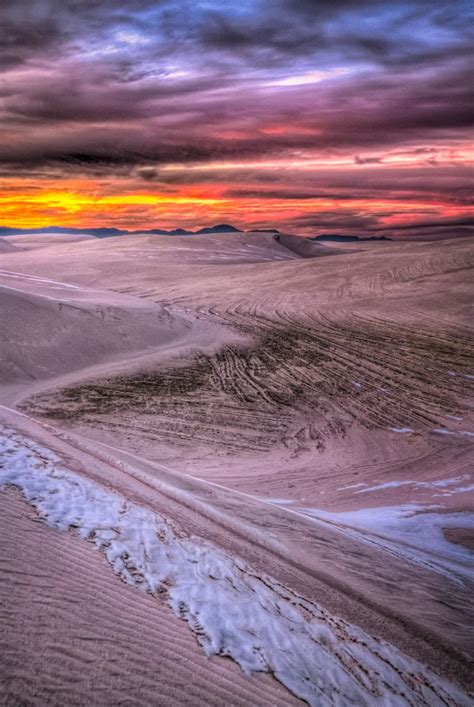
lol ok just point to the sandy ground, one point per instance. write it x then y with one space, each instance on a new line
317 411
87 638
7 247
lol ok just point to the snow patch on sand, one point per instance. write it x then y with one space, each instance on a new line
455 481
232 610
469 376
277 501
412 531
353 486
36 278
459 433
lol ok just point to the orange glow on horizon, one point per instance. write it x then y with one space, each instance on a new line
145 211
128 202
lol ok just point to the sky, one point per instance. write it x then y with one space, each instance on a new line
310 116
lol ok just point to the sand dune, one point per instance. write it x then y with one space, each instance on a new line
7 247
47 334
213 249
305 247
33 241
72 634
344 351
319 408
232 608
49 327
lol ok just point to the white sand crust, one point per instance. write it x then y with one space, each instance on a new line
233 611
72 634
413 531
236 383
442 483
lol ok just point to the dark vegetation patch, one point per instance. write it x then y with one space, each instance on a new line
293 381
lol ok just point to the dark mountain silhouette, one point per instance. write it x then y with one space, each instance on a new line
220 228
106 232
348 239
98 232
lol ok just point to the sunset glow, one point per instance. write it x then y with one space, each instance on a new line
308 118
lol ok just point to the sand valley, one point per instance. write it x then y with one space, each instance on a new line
269 440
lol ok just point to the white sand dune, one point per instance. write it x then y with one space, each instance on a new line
33 241
57 332
262 625
48 327
7 247
72 634
266 399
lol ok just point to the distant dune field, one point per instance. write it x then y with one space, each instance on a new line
305 407
6 246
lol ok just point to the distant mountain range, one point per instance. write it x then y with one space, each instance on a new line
348 239
219 228
106 232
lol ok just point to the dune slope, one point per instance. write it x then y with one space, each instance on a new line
317 410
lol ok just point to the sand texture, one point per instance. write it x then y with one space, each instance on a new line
306 409
89 639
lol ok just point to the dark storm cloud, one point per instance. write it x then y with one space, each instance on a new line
431 230
127 88
368 30
444 223
26 30
352 194
149 174
349 221
152 124
272 194
276 27
367 160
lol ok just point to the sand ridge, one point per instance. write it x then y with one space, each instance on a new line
87 638
233 610
283 388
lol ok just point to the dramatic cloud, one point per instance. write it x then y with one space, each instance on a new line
258 111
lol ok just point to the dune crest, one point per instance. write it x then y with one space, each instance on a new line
311 416
260 624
